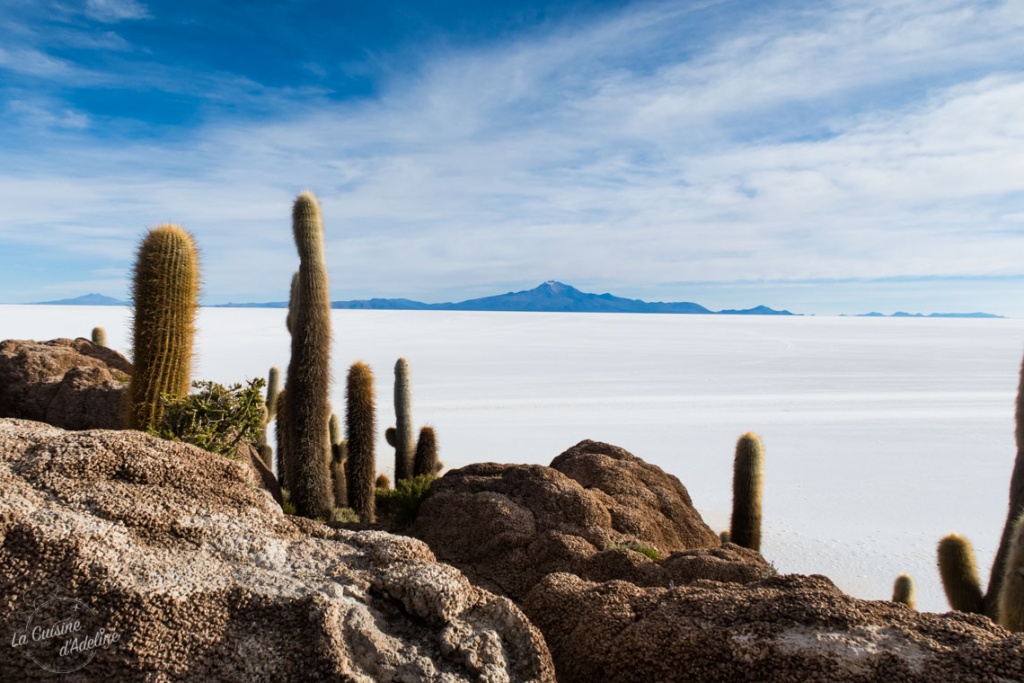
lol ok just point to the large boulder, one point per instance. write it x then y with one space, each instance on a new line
592 513
780 630
125 557
69 383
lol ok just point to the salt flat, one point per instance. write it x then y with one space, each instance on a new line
882 435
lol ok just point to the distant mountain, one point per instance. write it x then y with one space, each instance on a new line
86 300
561 298
902 314
551 296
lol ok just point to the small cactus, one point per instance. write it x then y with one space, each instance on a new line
903 591
747 483
382 482
960 574
339 453
404 444
360 421
389 436
283 433
725 537
273 388
293 302
99 336
1011 595
165 292
426 453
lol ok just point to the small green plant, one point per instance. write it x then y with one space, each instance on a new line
215 418
345 516
638 547
402 503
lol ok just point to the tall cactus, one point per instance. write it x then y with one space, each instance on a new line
1011 594
1013 512
309 374
989 603
165 291
339 453
404 443
361 424
426 452
959 574
747 484
99 336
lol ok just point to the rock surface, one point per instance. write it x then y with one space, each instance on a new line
508 526
69 383
784 629
202 577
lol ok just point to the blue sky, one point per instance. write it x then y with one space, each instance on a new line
826 157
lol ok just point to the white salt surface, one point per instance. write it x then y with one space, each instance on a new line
882 435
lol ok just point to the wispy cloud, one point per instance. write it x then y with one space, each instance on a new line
112 11
847 140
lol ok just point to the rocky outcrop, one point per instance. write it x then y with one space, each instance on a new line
508 526
792 628
69 383
176 566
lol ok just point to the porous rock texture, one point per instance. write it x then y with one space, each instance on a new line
508 526
779 630
203 577
69 383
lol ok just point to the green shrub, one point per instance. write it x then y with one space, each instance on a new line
402 503
345 516
215 418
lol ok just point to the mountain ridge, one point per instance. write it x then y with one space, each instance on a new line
548 297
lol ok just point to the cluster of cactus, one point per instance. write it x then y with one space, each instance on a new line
1003 602
308 383
165 294
747 485
412 459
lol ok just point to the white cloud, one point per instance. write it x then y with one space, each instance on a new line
111 11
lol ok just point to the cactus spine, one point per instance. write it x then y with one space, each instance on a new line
903 591
1011 594
426 453
339 454
165 291
99 336
960 574
404 443
360 421
309 368
747 484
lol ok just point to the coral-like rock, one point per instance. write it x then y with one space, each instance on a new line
202 577
508 526
793 628
70 383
